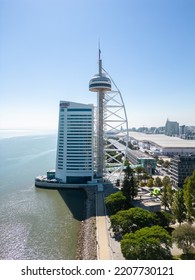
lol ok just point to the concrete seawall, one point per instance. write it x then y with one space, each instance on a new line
49 185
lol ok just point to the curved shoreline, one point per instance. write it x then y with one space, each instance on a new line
86 243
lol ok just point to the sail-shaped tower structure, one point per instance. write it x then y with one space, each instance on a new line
111 126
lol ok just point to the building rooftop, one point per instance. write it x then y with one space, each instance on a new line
163 140
139 154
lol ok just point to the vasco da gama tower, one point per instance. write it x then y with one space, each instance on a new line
100 83
87 147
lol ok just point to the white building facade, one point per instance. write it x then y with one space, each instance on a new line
75 146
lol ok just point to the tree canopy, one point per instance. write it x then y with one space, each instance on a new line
184 236
129 186
130 220
116 202
167 196
189 197
152 243
150 183
166 180
164 219
178 207
158 182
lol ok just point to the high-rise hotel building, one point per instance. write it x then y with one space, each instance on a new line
75 152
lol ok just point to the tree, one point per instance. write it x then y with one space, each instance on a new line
115 202
189 196
170 193
133 187
158 182
184 236
160 161
140 169
178 207
147 244
167 196
126 189
130 220
142 184
164 197
166 181
150 183
128 170
187 190
192 182
129 186
164 219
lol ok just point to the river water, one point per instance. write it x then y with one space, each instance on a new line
34 223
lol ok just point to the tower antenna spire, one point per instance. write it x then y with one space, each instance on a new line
100 61
99 50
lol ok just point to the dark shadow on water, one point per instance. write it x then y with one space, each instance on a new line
75 199
82 202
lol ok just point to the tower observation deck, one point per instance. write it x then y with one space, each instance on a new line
111 123
100 83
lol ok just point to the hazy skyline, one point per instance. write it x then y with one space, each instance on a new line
49 52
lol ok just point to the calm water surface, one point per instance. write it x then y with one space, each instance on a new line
35 223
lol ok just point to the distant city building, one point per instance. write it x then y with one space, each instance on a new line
139 158
152 129
75 152
182 130
189 132
161 129
171 128
181 167
149 130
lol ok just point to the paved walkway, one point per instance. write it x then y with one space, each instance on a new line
103 248
115 245
107 247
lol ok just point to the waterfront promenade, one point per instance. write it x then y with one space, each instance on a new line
107 247
103 248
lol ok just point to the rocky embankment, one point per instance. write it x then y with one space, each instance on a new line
86 246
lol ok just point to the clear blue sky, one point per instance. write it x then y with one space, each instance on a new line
49 52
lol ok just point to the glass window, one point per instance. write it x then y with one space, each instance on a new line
79 109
